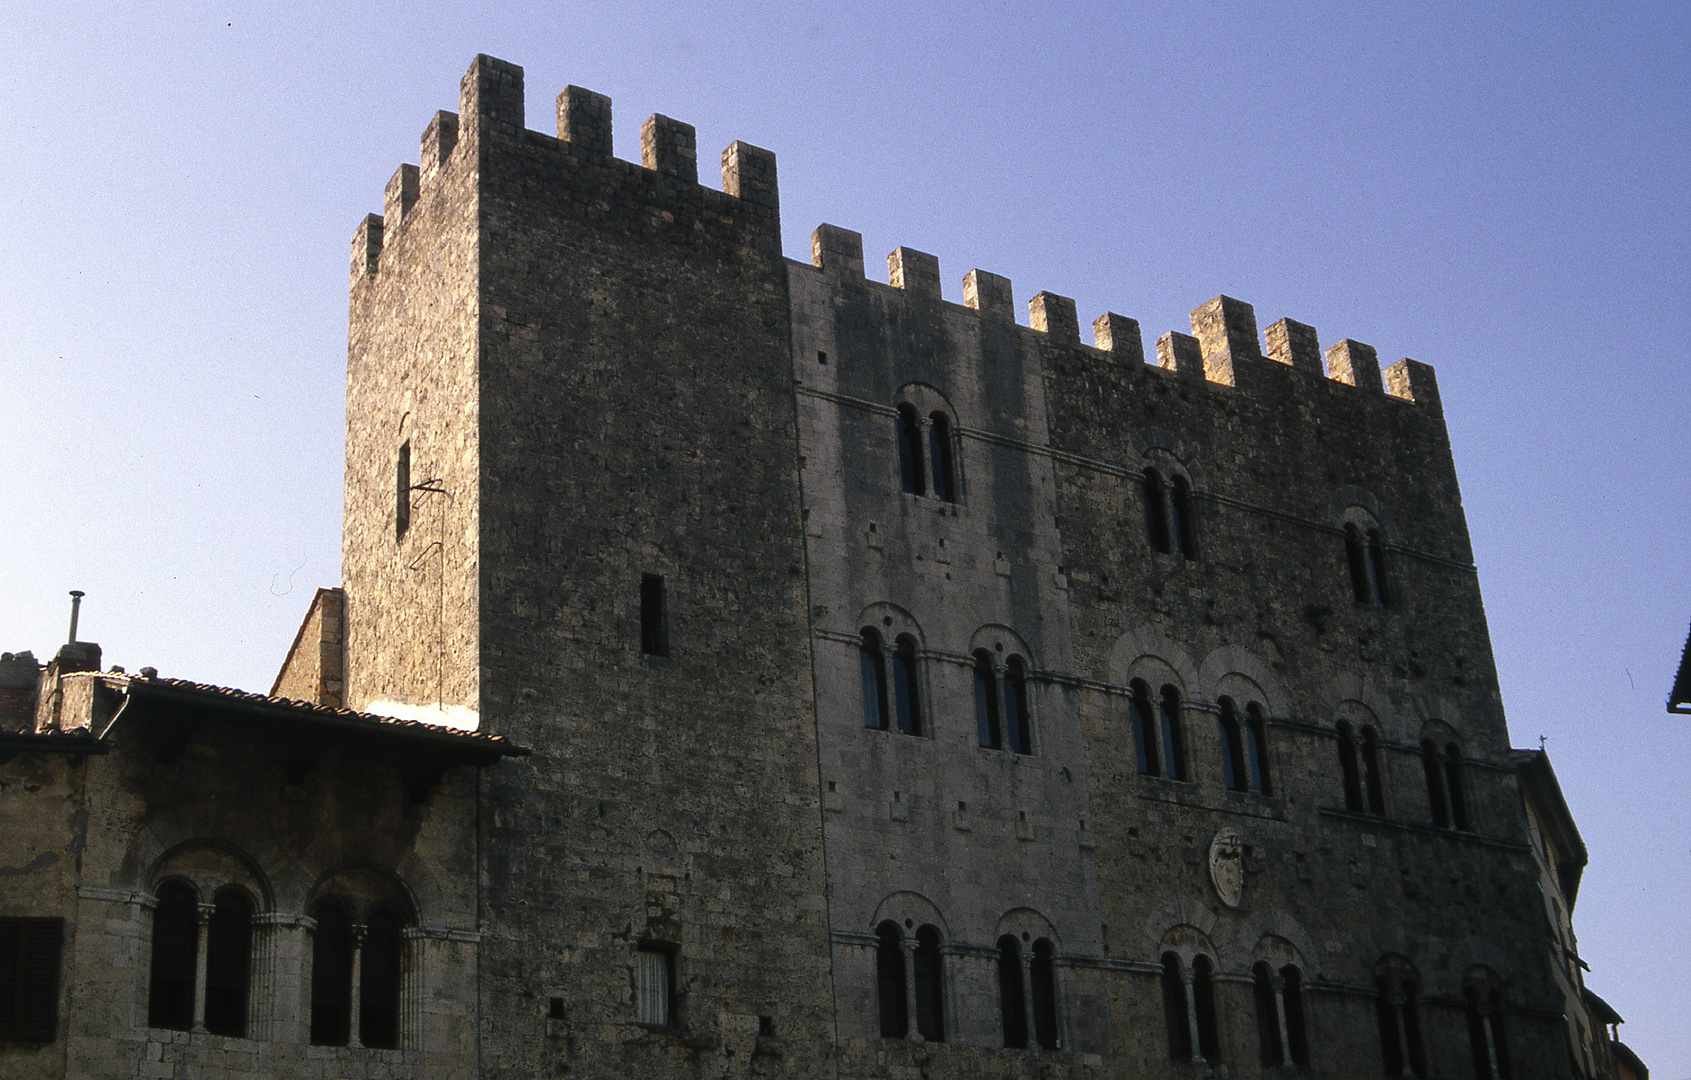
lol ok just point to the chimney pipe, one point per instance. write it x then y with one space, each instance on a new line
76 596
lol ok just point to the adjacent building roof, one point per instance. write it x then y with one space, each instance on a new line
1680 700
1543 793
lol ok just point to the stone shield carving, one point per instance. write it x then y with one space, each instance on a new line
1227 866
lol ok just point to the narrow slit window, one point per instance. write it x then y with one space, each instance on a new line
654 975
1144 729
1156 511
987 728
30 952
654 616
402 492
228 964
1256 749
1377 567
1042 974
872 664
1371 771
1174 1009
1184 521
1360 587
907 703
1012 1003
1433 765
1291 997
1234 772
1203 1008
1174 749
1454 785
939 457
910 452
1016 722
176 935
930 976
1269 1049
331 977
379 965
890 991
1348 768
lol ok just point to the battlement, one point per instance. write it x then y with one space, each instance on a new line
492 110
1223 341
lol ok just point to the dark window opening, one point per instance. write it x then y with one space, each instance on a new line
1144 729
1377 565
655 993
555 1009
1174 1009
889 981
1256 749
1042 973
906 699
939 455
1016 725
1234 772
402 492
872 665
910 452
1269 1049
1433 765
331 977
379 966
1371 771
654 618
1203 1006
1361 589
1348 768
1012 1005
30 950
1400 1027
1291 996
930 1012
1156 512
176 945
1185 522
1453 784
987 729
1174 750
228 964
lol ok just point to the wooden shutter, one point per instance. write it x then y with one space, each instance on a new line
29 978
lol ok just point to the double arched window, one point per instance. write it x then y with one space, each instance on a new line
1001 704
357 964
909 982
1244 748
1365 554
1279 1007
1486 1037
1397 1009
1171 523
201 973
1445 794
926 455
1189 1008
1024 980
895 700
1158 742
1359 764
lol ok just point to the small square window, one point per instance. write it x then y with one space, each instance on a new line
654 978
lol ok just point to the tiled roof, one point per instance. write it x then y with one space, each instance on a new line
144 687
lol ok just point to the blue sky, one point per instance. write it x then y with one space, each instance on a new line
1501 193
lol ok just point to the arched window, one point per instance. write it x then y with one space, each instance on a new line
930 1010
1144 728
1291 1000
176 943
1175 1015
1042 973
1256 749
331 976
379 982
1234 772
889 981
1432 763
1453 785
1396 1007
1485 1031
1203 1008
228 964
907 703
1184 520
987 729
1269 1046
1349 769
1361 588
1377 567
872 664
910 452
1371 771
1016 723
1156 512
1174 749
939 457
1012 1005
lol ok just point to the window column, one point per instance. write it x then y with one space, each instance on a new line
1398 1002
1277 983
912 1030
202 928
358 931
1027 997
1189 977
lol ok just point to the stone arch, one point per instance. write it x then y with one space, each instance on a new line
1027 925
363 887
1002 642
910 910
1235 671
1358 690
927 399
1154 657
1159 449
207 866
890 621
1258 933
1187 911
1351 505
1436 709
1187 942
